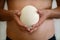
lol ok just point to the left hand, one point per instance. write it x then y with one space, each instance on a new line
43 15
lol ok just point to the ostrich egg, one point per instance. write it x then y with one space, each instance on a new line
29 15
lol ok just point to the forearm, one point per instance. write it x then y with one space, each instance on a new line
4 15
55 13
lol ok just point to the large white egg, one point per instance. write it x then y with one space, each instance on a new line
29 15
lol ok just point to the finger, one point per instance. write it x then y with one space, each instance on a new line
18 20
28 29
34 26
18 14
33 30
20 23
39 11
41 20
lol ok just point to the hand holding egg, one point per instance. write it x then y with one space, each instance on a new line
29 16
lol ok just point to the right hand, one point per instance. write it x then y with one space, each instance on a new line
15 15
44 14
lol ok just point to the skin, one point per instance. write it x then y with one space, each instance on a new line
16 32
47 14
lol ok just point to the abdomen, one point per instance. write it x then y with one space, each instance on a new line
45 31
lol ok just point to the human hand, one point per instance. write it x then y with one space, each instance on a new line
15 15
43 15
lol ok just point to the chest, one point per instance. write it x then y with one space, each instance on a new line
16 4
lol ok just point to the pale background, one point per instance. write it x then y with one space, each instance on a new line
3 25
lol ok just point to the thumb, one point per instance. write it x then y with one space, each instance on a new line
39 11
18 14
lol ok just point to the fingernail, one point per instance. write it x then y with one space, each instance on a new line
28 29
31 31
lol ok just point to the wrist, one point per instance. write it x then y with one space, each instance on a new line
54 13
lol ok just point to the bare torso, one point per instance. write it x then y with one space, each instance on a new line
44 32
